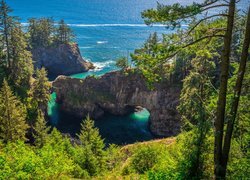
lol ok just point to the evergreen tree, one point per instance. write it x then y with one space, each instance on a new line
40 91
41 32
122 63
194 100
12 116
237 95
40 130
63 33
173 16
151 43
7 22
93 146
21 65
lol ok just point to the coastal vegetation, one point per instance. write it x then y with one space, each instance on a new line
209 60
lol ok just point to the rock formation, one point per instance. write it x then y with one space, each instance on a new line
64 59
120 94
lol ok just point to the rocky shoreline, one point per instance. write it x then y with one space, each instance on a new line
119 94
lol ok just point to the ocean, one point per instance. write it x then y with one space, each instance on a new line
105 30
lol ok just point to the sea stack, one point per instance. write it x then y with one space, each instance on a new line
64 59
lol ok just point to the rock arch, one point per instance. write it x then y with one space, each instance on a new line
119 94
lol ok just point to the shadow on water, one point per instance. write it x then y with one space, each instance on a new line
114 129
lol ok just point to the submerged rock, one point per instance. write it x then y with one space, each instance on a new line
64 59
120 94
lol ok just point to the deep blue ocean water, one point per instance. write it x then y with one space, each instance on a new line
105 30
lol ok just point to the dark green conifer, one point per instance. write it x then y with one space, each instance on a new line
21 62
40 130
93 146
63 33
40 91
41 32
7 22
13 125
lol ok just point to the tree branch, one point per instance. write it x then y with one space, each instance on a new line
204 19
215 6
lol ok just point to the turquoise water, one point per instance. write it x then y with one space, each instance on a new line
105 30
114 129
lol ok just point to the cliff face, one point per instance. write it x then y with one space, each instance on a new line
65 59
120 94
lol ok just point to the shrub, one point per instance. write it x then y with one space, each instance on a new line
144 159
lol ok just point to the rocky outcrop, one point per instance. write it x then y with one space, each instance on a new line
120 94
64 59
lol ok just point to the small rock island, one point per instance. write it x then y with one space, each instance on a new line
64 59
52 46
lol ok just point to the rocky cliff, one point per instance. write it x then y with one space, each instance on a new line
120 94
64 59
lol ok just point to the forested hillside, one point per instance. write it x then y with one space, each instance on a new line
209 60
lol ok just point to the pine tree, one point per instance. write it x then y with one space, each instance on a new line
122 63
237 95
40 130
40 91
12 116
173 16
21 65
93 146
7 22
41 32
63 33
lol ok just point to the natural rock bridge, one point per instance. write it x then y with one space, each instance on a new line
120 94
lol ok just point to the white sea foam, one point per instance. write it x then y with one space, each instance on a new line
100 65
102 42
112 25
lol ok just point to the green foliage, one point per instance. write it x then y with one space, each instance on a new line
44 33
21 161
122 63
144 159
21 68
39 93
40 31
7 23
92 148
40 130
12 116
63 33
184 55
171 15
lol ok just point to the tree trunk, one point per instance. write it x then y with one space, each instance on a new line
221 106
236 98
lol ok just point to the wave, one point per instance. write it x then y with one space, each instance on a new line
100 65
111 25
102 42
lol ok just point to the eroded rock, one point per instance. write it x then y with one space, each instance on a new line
120 94
64 59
